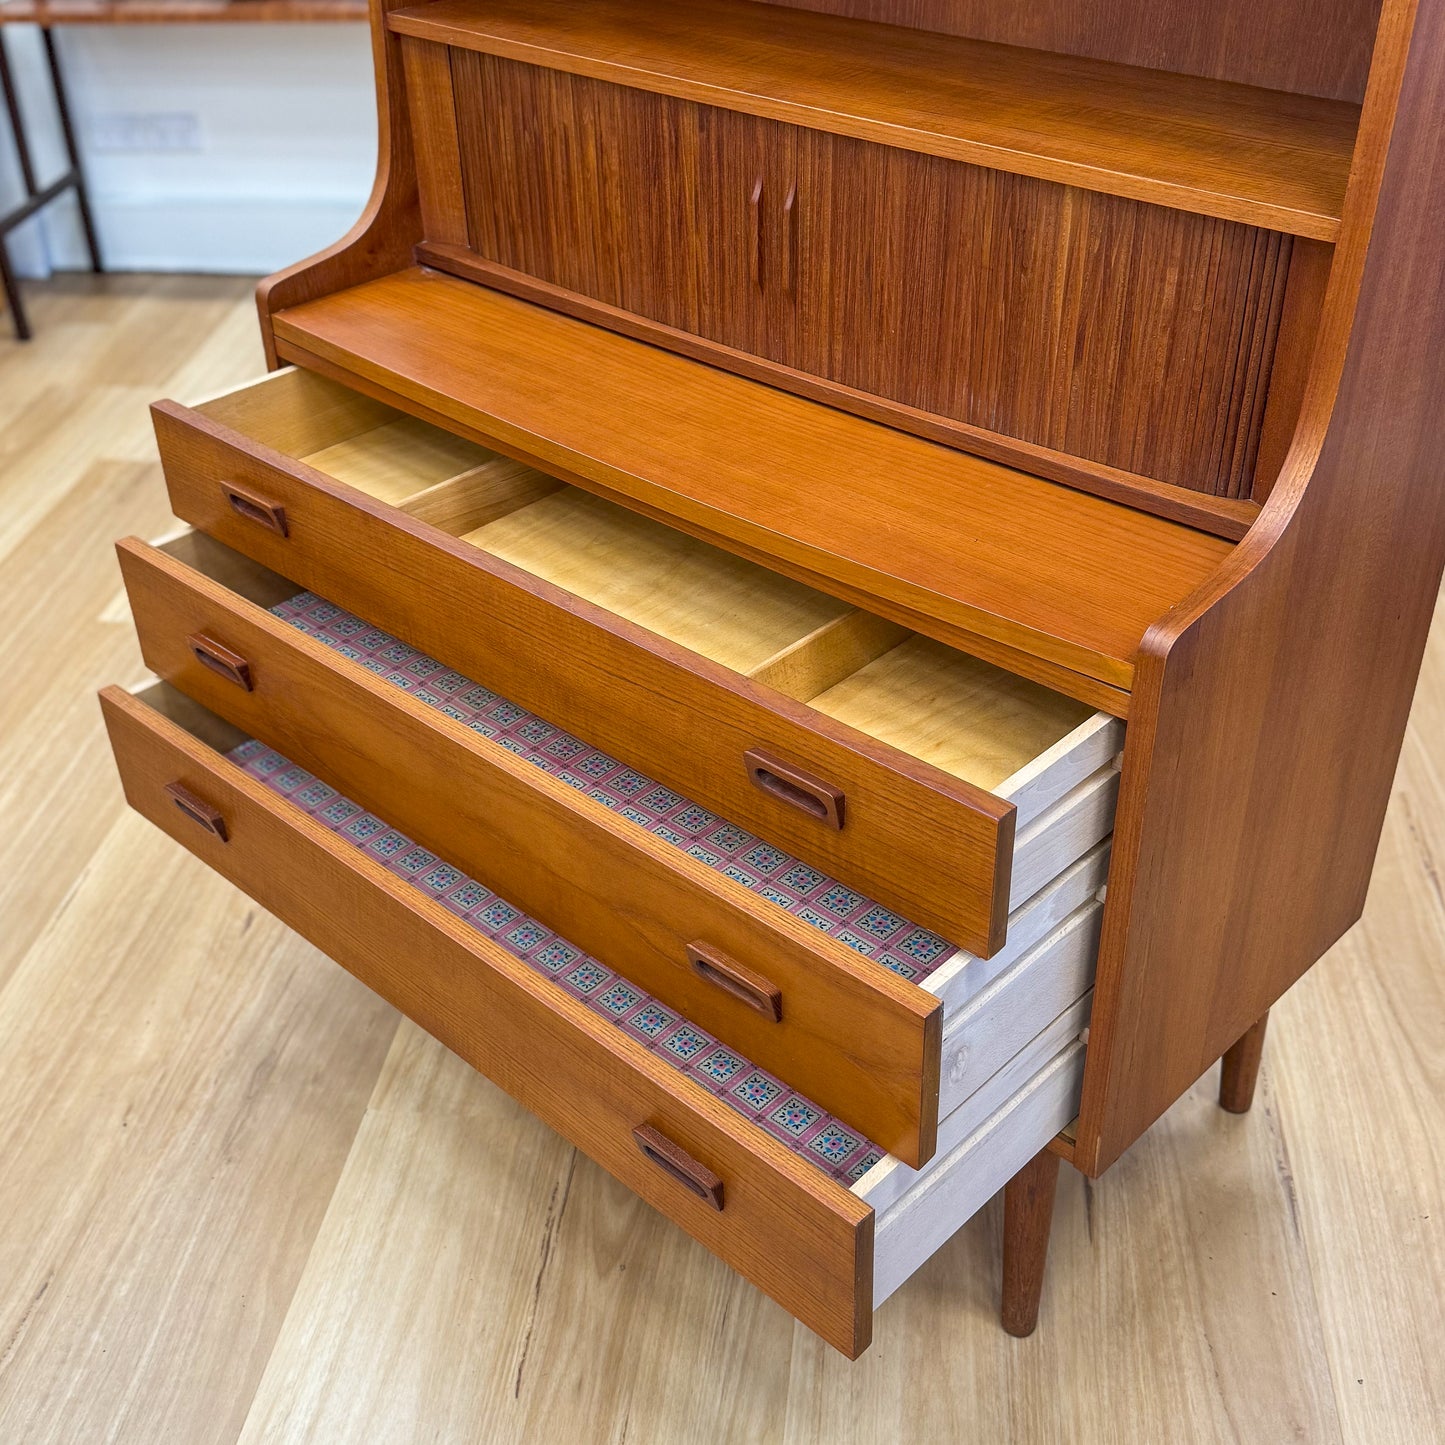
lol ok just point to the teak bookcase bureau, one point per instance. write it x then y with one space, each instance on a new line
828 592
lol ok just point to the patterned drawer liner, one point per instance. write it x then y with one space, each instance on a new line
808 1130
851 918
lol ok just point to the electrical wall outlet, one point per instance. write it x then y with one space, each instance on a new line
140 131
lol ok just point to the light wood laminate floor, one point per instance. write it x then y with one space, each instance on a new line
241 1201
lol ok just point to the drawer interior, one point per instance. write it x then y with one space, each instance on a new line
733 611
963 716
960 714
364 443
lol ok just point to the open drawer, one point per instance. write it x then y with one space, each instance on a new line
796 1228
778 960
936 784
851 1033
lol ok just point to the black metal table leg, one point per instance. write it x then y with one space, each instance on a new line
12 293
36 196
72 151
27 176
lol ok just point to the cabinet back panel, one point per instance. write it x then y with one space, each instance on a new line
1129 335
1311 47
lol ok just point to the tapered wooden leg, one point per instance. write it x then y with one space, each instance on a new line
1240 1070
1028 1212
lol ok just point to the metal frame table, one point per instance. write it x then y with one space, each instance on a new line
48 13
37 197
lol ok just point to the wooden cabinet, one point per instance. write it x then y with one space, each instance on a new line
831 604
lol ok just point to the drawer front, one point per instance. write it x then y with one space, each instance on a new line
851 1035
930 846
800 1237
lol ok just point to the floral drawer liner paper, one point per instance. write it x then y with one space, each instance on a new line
802 1125
849 917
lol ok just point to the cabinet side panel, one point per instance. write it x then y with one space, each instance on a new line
388 228
1270 711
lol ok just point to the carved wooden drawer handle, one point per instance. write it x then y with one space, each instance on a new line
256 508
733 978
198 811
221 660
680 1165
793 786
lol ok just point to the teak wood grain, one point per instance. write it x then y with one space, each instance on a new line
967 551
1015 306
996 305
1028 1204
1299 320
800 1237
671 210
852 1035
1270 710
1262 157
1239 1069
431 114
1224 516
928 845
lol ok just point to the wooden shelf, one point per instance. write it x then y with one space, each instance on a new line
1261 157
1054 583
179 12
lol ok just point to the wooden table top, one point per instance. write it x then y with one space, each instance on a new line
178 12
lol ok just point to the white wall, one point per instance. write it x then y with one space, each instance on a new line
285 143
